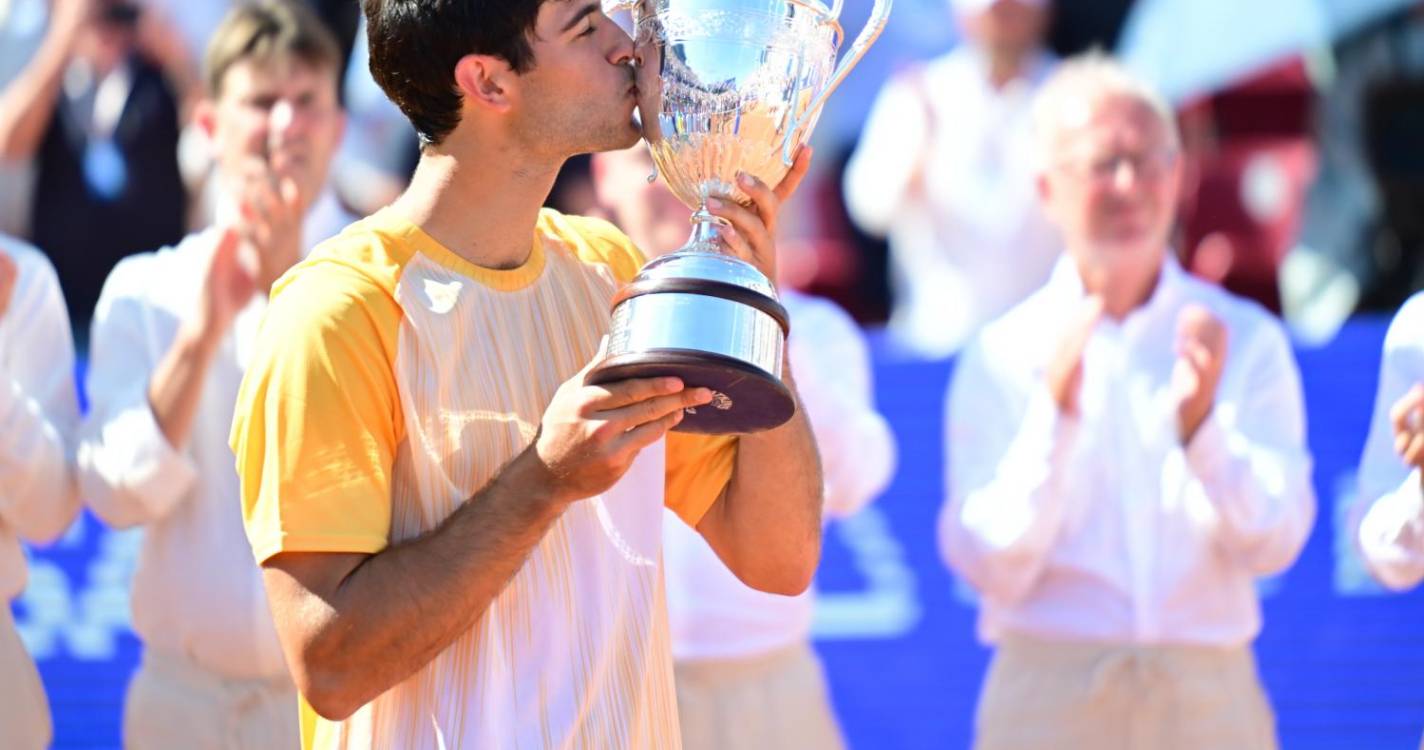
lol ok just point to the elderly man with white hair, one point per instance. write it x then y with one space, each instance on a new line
1126 456
945 168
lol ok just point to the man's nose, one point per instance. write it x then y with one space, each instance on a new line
281 120
1125 174
624 51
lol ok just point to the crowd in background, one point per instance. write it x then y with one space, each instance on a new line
169 180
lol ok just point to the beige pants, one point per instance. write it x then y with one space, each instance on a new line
774 701
174 704
1071 695
24 712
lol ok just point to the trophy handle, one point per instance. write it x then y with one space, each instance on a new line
613 6
873 26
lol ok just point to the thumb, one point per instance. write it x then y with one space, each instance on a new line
228 242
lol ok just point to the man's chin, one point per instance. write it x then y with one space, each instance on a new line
621 141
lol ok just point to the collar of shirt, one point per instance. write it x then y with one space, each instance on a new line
1066 286
975 60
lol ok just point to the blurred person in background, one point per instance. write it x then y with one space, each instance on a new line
39 412
1361 242
1126 457
746 674
89 129
172 336
945 167
1389 517
379 152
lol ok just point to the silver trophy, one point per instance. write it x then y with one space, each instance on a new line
724 86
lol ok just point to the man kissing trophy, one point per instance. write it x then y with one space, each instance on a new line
725 87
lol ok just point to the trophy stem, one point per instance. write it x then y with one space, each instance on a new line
704 236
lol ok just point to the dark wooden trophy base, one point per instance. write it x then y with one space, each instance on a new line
745 399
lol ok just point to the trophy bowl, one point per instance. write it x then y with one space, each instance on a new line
724 87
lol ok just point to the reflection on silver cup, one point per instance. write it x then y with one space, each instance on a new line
725 87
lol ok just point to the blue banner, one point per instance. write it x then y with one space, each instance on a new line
1343 661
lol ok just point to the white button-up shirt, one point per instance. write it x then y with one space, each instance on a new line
1390 512
712 614
1103 527
946 168
197 592
39 411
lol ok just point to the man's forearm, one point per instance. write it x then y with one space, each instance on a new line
27 104
766 526
176 387
394 612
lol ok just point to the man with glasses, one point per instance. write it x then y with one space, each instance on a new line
1126 456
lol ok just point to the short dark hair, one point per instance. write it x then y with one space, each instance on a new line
265 30
415 44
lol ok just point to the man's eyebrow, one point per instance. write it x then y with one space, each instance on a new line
583 12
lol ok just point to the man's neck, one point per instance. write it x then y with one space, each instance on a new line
1004 66
1123 287
481 204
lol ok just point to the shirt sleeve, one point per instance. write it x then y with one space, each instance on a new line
891 151
1252 460
1009 450
318 417
129 473
831 365
39 409
1389 511
698 469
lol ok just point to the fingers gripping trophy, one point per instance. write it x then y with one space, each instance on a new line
724 86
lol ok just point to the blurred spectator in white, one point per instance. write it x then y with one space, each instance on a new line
945 167
1362 238
39 412
1126 456
92 120
1390 511
172 334
747 676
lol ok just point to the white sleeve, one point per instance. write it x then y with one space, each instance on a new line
1389 511
892 149
1254 465
39 408
1008 458
128 472
831 365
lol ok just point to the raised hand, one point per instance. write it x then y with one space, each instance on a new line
1201 356
1064 375
272 212
1407 416
752 234
228 285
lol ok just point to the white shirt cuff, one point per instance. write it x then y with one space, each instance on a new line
138 462
1210 448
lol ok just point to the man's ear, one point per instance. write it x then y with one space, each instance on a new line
486 81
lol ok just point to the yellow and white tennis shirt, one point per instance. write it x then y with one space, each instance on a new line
392 380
